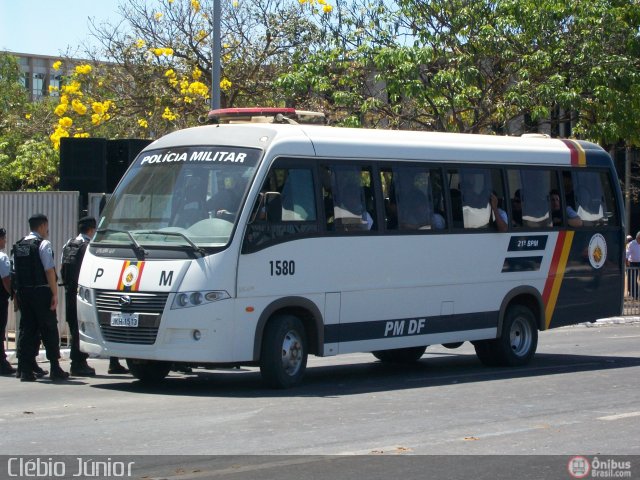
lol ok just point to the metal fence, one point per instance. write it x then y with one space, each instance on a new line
632 291
61 208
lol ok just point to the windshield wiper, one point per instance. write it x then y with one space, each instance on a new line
195 247
137 248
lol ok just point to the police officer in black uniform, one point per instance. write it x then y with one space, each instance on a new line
37 291
72 255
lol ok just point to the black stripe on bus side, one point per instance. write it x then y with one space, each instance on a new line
521 264
352 332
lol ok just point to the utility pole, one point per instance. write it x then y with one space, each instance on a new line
215 56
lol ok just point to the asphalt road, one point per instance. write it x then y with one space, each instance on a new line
579 396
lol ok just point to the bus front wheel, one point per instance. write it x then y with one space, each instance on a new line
517 342
284 352
148 371
400 355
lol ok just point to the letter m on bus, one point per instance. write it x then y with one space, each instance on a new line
166 279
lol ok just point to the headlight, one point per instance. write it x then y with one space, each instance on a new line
193 299
84 294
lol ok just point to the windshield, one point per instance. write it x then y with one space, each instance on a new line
188 196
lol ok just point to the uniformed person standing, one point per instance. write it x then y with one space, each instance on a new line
72 255
5 295
37 292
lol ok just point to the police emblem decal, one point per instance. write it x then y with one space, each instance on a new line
597 251
130 276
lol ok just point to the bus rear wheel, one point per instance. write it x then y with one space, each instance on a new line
517 342
284 352
400 355
148 371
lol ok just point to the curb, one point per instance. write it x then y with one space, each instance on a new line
42 355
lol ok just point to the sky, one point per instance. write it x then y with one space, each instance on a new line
49 27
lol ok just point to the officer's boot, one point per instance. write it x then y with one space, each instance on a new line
56 371
38 371
25 373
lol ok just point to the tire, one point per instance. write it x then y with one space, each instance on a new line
400 355
148 371
283 359
517 343
486 352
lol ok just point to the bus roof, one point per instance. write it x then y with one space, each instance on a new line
350 143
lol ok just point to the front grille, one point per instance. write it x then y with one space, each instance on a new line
109 301
148 306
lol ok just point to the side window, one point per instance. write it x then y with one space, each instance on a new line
349 203
413 198
285 207
531 196
477 198
590 197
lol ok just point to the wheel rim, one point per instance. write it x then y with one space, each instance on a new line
292 353
520 337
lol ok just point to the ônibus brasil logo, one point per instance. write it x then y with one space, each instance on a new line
579 467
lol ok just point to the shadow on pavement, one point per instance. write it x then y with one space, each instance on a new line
354 379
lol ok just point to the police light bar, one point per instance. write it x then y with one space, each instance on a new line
265 115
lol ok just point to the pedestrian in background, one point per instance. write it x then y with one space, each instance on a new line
5 294
633 261
37 292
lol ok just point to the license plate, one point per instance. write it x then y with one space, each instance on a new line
119 319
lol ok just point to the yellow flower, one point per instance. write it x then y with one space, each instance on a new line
322 2
225 84
170 1
140 43
53 88
195 4
170 73
158 16
61 109
201 35
57 64
196 74
27 116
187 100
81 135
96 119
198 88
173 82
143 123
57 135
65 122
158 51
235 3
168 51
97 108
184 86
64 99
168 114
73 88
327 9
83 69
78 107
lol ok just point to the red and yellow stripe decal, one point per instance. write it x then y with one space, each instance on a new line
130 276
578 155
556 274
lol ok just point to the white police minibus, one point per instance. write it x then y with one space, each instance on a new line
259 244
